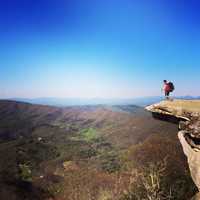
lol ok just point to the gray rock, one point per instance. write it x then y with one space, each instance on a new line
193 157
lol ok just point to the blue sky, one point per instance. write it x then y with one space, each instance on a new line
98 48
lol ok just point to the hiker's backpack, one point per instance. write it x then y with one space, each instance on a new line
171 86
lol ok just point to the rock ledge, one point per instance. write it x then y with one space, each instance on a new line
187 114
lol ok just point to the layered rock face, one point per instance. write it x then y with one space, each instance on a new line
187 114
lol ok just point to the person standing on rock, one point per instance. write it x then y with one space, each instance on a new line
167 88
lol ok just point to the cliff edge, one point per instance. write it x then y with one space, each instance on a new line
186 113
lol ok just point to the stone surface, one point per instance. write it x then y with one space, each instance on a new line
193 158
182 110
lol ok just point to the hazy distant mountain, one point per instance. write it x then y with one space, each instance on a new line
188 97
139 101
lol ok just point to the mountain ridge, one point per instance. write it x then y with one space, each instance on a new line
140 101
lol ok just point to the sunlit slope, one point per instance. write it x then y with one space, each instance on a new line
120 125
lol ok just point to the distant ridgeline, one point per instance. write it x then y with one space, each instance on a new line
139 101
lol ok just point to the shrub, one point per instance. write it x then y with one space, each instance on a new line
176 177
25 173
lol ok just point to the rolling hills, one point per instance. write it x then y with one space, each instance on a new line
51 152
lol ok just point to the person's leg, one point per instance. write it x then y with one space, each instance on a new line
167 94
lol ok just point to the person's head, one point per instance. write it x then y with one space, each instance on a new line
165 81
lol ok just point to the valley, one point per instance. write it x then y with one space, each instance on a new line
88 152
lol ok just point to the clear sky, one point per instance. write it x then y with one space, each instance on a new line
98 48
